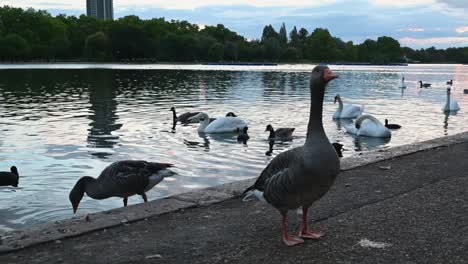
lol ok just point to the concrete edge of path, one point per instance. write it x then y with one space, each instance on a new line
19 239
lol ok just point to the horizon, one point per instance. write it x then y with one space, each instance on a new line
415 24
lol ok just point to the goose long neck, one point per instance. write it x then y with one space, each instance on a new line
174 115
315 126
272 133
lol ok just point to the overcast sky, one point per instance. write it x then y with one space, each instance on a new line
415 23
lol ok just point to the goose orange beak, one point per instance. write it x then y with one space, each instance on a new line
329 75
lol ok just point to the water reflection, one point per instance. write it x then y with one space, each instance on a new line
368 143
103 106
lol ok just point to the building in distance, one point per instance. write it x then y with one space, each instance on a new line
102 9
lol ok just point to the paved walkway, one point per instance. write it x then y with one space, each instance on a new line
411 209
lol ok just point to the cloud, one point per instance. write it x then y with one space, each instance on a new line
179 4
455 3
412 29
461 30
440 41
401 3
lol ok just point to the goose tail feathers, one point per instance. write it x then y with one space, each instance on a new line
253 194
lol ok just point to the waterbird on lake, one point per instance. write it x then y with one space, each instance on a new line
231 114
271 143
242 135
300 176
8 178
183 118
346 110
226 124
282 133
402 84
369 126
450 104
338 148
425 85
391 126
450 82
121 179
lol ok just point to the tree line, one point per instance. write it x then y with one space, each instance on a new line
35 35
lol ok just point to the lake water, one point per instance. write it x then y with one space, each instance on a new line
61 122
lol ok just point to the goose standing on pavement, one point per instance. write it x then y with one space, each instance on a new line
120 179
450 104
9 177
346 110
300 176
282 133
226 124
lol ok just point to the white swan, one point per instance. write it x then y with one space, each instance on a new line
220 125
369 126
402 84
451 104
347 110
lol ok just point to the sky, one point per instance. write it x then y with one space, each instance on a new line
414 23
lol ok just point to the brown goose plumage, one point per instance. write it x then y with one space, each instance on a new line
300 176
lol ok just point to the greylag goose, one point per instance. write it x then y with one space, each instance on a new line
300 176
242 135
120 179
9 177
283 133
391 126
425 85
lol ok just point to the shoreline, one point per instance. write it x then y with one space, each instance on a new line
11 241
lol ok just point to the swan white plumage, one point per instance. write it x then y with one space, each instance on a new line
220 125
450 104
369 126
347 110
402 84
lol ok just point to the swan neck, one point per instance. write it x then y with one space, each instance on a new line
340 104
204 123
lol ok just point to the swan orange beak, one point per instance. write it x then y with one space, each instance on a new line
329 75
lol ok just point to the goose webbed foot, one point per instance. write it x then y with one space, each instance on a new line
289 240
304 231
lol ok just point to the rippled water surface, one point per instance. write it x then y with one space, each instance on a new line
61 122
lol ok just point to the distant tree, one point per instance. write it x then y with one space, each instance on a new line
272 49
14 47
230 51
389 49
269 33
321 46
283 36
216 52
98 47
294 38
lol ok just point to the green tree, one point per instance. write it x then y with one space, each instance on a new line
14 47
321 46
98 47
283 36
294 38
216 52
269 33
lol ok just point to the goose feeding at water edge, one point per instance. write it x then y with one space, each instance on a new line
282 133
391 126
425 85
121 179
226 124
450 104
368 126
300 176
8 178
346 110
